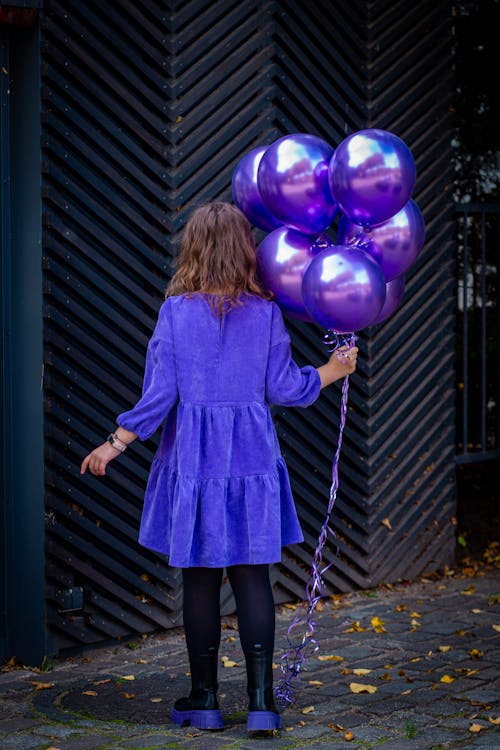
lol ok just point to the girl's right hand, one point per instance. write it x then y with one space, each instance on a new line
342 362
347 358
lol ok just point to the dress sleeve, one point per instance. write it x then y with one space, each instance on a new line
159 391
287 384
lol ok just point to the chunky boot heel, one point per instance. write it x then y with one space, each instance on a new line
262 712
200 709
183 713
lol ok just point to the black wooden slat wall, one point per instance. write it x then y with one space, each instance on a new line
147 108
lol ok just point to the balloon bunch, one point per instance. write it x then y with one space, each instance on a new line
296 188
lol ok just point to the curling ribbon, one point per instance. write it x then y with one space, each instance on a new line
294 658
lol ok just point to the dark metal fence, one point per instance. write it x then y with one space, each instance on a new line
478 332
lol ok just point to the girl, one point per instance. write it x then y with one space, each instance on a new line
218 494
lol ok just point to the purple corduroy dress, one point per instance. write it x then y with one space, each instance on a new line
218 492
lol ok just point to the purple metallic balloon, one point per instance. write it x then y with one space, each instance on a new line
395 244
246 193
395 290
343 289
293 182
372 175
282 258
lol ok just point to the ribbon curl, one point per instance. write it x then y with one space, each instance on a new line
294 658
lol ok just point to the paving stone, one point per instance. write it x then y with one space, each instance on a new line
17 724
53 730
83 743
21 742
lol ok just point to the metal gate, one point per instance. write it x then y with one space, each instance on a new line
147 108
478 332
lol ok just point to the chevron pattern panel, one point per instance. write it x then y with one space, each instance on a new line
147 108
344 67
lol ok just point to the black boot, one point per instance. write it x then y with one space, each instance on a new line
201 709
262 711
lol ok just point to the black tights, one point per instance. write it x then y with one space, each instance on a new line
254 605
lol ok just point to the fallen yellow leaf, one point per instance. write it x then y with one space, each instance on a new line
445 649
476 611
357 687
469 590
447 678
336 727
317 683
348 736
127 677
385 522
156 700
308 710
378 625
141 661
476 728
496 627
475 653
494 721
330 657
355 628
43 685
128 696
361 671
89 692
415 614
401 608
226 662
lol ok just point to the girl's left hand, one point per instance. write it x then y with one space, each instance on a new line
97 461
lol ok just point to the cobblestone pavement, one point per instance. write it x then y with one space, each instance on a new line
424 653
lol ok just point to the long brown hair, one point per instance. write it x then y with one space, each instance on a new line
217 256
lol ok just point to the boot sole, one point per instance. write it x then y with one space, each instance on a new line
201 719
260 721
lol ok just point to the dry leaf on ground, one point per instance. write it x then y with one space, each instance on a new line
476 727
43 685
357 687
226 662
355 628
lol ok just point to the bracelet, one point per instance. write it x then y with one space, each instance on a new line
116 443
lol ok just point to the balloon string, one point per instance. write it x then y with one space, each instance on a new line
294 657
